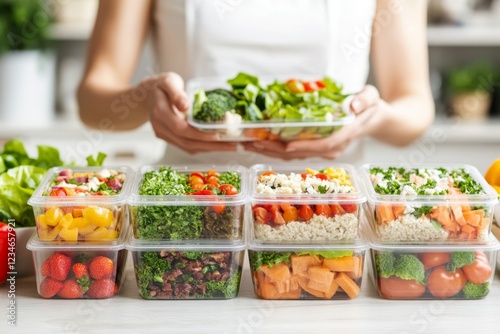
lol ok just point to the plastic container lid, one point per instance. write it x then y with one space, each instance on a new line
356 196
490 244
155 200
490 197
213 83
39 199
34 244
135 245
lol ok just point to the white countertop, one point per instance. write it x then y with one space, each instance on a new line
129 313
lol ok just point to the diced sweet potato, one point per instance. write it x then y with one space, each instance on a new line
384 214
348 285
300 264
345 263
398 210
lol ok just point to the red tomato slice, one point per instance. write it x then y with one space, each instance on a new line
323 210
349 208
198 174
304 175
59 192
195 179
306 212
269 172
277 218
228 189
213 173
337 210
219 208
203 193
320 84
290 213
260 215
322 176
310 86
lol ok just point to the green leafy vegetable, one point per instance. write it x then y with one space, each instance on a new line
258 259
422 211
98 161
332 254
232 178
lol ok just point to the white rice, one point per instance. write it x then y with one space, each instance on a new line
319 227
409 228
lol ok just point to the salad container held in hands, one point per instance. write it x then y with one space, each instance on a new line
320 203
452 270
245 108
69 270
188 202
76 204
204 269
428 203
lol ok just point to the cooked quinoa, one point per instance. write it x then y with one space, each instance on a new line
408 228
340 227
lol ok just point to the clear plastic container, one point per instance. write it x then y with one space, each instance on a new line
75 270
307 270
199 269
238 130
76 216
182 217
280 217
451 270
430 218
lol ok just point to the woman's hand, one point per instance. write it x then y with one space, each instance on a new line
363 106
168 105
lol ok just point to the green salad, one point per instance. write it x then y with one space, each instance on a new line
250 100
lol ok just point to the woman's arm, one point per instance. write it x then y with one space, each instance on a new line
106 99
401 109
114 49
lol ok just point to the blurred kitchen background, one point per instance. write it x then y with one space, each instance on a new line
38 105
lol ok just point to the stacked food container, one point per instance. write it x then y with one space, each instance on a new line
429 231
81 226
188 237
303 238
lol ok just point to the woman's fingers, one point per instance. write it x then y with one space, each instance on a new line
173 85
367 98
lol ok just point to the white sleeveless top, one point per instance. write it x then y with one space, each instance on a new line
200 38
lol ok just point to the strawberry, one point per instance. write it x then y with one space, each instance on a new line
49 287
71 289
80 270
57 266
102 288
101 267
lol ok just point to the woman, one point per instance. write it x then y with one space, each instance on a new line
200 38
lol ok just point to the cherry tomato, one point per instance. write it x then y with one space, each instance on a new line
479 271
290 213
349 208
58 192
397 288
323 210
310 86
271 207
434 259
198 187
295 86
200 175
322 176
219 208
304 175
195 179
306 212
213 173
445 284
228 189
212 179
337 210
203 193
320 84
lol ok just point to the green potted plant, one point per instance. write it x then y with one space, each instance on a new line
470 90
27 67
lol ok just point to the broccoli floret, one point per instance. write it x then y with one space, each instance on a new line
409 267
216 104
385 264
473 291
460 259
